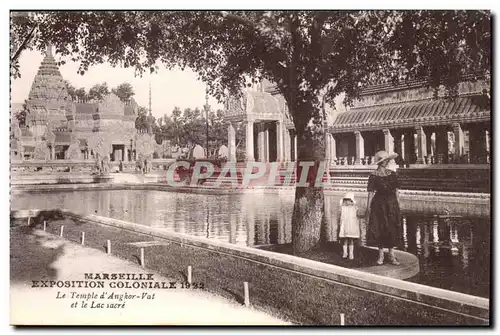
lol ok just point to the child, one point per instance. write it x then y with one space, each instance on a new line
349 225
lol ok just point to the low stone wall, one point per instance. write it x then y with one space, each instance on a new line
459 178
468 178
341 288
59 178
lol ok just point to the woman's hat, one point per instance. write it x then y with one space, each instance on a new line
383 156
349 196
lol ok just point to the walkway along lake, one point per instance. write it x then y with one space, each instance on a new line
454 251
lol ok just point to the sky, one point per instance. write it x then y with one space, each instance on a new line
169 88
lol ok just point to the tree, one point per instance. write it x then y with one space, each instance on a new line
311 56
21 114
141 122
81 95
124 91
98 92
71 90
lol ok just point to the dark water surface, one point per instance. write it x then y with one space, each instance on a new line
454 251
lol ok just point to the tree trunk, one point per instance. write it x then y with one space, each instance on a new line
309 208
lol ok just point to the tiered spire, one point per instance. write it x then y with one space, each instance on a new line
48 91
49 66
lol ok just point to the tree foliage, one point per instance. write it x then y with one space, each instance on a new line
71 90
21 114
141 122
187 128
81 95
98 92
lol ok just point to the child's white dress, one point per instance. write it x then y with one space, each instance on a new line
349 225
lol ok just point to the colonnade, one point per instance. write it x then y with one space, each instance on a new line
265 141
437 144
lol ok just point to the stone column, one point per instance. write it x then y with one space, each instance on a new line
459 141
249 141
231 141
261 142
421 145
333 147
295 146
266 142
288 146
388 141
279 142
328 148
52 151
360 147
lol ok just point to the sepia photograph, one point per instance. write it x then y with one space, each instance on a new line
250 168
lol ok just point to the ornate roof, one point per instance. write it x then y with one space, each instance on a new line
473 108
256 105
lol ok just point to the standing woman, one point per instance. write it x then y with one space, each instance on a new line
382 211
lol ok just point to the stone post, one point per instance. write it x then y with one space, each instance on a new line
249 141
421 145
360 147
459 141
261 142
231 133
279 142
388 141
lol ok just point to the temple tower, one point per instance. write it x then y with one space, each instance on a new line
48 100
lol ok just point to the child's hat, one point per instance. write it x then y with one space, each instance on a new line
349 196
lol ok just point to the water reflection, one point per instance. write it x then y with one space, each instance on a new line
453 251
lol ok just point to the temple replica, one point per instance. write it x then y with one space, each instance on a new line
58 128
443 144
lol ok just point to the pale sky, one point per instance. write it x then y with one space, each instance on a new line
168 88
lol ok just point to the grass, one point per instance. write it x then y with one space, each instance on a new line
289 295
